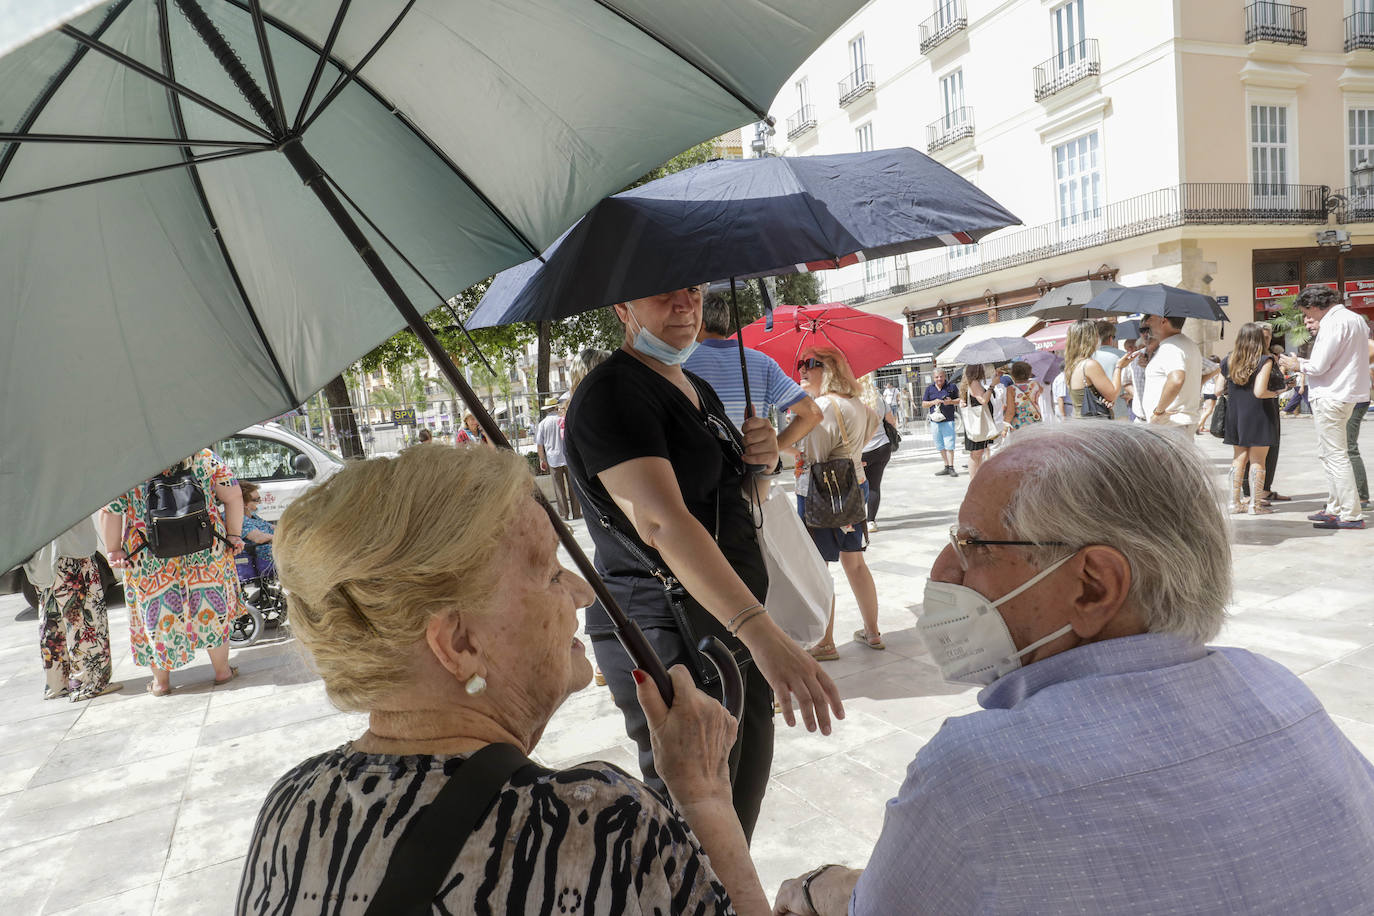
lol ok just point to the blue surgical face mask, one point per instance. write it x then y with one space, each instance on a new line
654 347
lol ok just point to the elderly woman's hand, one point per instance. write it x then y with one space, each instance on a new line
691 741
760 443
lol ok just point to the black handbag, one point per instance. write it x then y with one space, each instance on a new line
1217 426
425 853
1094 405
835 499
691 621
894 438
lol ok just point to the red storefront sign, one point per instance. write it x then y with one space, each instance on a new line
1360 295
1267 297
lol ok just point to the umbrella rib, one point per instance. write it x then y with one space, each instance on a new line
41 103
405 260
129 141
324 56
194 160
260 30
179 125
141 68
350 74
419 134
761 113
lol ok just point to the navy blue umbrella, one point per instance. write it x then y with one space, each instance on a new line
744 218
1158 299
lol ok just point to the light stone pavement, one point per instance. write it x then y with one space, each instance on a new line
130 804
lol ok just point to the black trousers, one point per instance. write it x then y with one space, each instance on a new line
751 759
875 462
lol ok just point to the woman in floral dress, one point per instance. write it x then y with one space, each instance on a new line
179 604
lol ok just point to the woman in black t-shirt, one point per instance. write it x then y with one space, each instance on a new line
662 474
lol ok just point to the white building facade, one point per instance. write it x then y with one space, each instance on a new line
1203 145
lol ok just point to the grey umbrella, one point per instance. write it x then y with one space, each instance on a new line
1158 299
208 209
1071 300
994 350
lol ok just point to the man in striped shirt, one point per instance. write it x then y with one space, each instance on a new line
716 361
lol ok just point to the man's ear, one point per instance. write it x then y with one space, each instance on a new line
453 645
622 312
1105 582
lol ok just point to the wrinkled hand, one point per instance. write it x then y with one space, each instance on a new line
118 559
790 900
792 672
691 741
760 443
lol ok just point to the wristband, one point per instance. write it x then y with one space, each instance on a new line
806 885
756 612
730 624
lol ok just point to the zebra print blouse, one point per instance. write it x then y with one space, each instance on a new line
576 842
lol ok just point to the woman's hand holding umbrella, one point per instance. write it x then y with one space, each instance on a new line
760 443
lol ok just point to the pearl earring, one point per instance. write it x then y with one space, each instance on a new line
475 685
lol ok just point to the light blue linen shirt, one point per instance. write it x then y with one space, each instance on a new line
1145 775
717 363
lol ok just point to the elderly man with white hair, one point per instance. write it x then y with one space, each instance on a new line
1119 764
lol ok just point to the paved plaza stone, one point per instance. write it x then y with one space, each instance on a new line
130 804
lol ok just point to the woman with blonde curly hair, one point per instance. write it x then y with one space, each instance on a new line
846 424
428 591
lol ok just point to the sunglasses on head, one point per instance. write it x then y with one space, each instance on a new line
811 363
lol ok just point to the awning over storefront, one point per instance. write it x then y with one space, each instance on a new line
925 348
1017 327
1051 337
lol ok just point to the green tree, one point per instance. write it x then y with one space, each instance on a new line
1287 323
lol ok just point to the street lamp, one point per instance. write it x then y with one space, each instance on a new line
1362 177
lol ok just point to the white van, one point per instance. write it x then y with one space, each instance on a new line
283 464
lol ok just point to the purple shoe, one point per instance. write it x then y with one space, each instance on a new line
1322 517
1340 523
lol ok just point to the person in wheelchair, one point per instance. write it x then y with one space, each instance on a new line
256 560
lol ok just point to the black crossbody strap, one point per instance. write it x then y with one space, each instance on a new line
426 852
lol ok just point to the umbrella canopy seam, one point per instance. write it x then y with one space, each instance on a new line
179 125
760 112
35 110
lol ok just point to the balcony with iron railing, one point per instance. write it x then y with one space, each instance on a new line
1075 63
856 84
1276 22
1203 204
949 19
1359 32
950 129
801 122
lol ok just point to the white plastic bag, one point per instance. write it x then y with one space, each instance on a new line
800 590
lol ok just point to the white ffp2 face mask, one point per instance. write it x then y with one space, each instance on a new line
968 638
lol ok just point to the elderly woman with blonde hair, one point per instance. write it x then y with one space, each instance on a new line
429 594
846 425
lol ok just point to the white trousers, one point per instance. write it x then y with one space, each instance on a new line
1330 418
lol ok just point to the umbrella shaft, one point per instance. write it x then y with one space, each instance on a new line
630 636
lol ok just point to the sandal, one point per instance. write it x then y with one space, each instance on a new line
824 652
153 689
233 673
1275 497
873 642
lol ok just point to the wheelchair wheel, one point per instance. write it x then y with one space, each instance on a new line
246 629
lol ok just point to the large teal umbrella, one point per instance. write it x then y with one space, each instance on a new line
167 276
208 208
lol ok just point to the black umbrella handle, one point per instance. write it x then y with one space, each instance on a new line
743 371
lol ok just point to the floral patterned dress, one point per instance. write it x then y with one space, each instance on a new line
1026 411
181 603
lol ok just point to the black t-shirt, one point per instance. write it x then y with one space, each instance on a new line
624 410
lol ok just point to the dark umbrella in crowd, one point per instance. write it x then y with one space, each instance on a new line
1072 300
745 218
207 210
1158 299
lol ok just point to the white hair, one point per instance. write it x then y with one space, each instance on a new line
1146 493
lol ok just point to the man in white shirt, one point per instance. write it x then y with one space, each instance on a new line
548 438
1173 378
1337 379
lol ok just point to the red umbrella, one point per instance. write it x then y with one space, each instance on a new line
867 341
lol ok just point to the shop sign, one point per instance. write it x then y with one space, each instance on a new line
403 416
1359 286
1275 292
926 328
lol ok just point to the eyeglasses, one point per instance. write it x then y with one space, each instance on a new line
812 363
959 542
